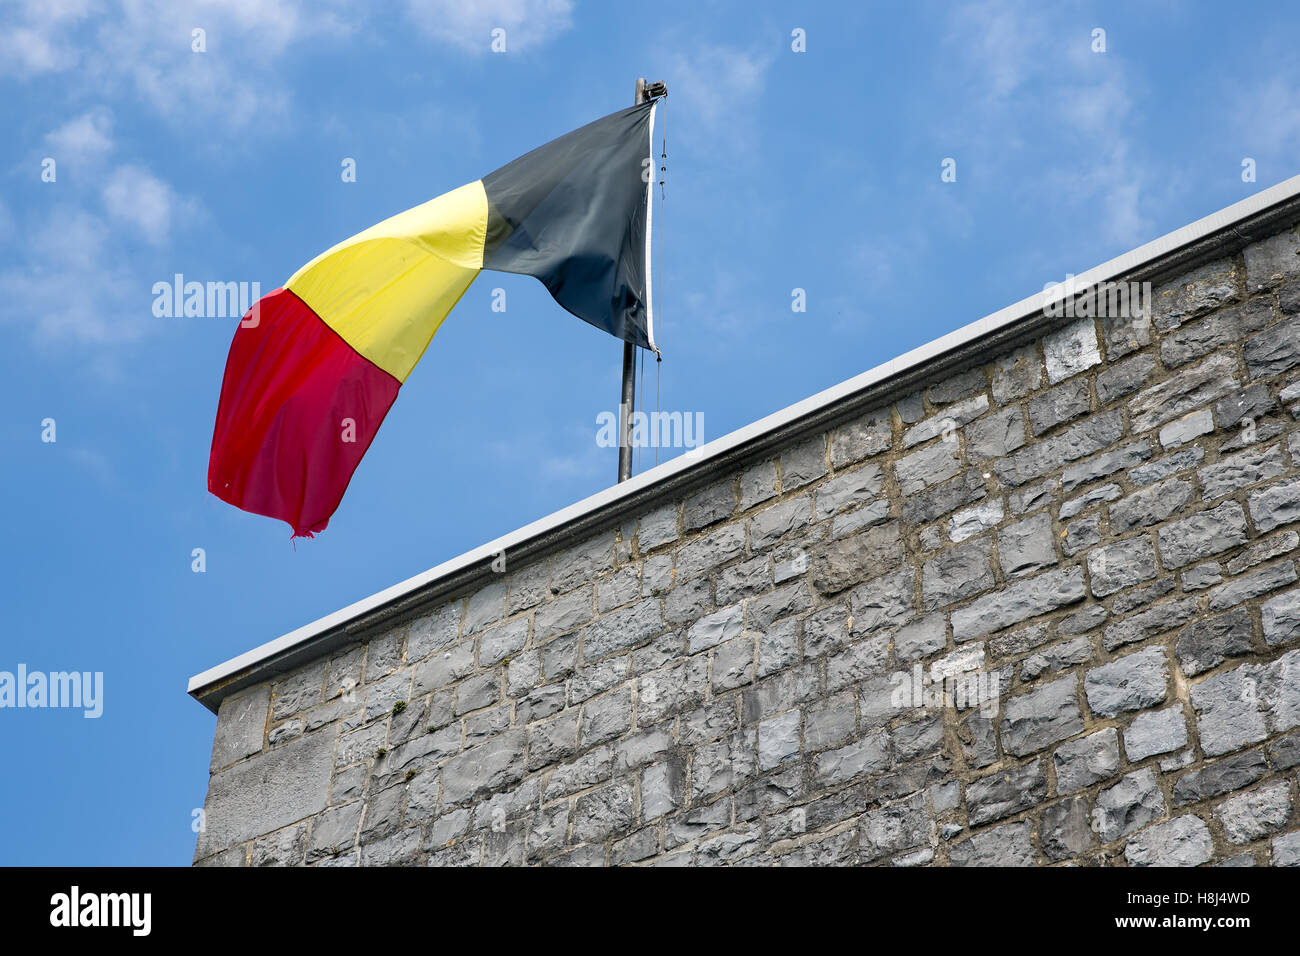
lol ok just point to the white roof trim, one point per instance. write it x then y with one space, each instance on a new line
1116 267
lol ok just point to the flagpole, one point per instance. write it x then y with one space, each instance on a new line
628 404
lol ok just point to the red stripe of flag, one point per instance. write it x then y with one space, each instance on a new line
298 409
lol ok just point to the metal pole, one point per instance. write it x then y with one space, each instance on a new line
628 404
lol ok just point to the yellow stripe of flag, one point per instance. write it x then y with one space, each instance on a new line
386 290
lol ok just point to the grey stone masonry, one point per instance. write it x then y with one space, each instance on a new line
1043 610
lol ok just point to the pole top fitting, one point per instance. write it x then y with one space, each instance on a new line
645 92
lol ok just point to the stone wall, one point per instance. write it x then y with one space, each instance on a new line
1087 544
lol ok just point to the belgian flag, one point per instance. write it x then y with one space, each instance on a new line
315 366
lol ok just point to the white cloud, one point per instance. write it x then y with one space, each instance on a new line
66 277
713 79
149 52
724 304
137 197
1097 108
34 36
1032 70
1001 40
96 464
563 453
527 23
69 285
714 92
144 48
587 464
1268 120
85 139
8 227
279 20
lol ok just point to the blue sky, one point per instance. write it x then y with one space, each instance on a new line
817 170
